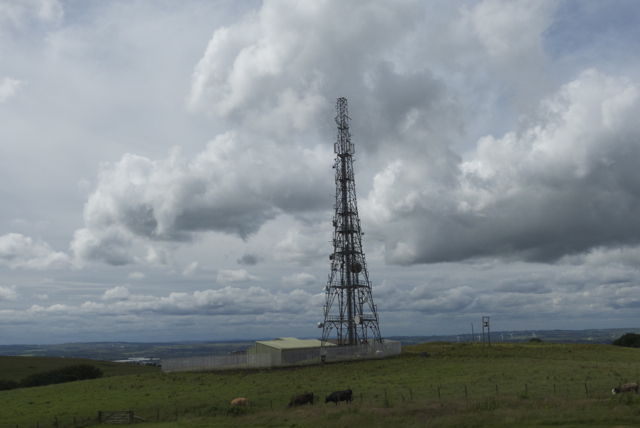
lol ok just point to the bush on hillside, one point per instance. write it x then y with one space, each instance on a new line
629 340
535 340
7 384
62 375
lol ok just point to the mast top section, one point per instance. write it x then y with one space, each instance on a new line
343 145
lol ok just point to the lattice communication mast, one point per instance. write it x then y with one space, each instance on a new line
349 307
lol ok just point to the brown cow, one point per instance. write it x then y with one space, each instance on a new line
301 399
627 387
239 402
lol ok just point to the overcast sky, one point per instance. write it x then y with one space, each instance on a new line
166 166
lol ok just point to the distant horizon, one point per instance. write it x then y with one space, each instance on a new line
309 337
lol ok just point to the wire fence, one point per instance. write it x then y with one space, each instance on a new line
423 395
286 358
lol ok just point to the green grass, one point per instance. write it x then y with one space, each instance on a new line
410 382
17 368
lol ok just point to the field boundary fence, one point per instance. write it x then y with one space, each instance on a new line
478 394
387 348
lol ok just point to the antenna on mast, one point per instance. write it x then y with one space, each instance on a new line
349 307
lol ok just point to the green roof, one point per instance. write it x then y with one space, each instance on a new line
293 343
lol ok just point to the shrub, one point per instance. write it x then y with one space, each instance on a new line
629 340
7 384
535 340
62 375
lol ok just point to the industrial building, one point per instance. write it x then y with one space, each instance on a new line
283 345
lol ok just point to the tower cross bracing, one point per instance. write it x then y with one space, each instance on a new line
349 311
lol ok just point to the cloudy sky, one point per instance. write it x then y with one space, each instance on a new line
166 166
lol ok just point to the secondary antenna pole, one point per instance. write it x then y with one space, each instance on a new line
485 323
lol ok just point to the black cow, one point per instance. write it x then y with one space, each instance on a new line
627 387
339 396
301 399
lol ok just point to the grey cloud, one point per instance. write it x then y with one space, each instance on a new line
563 184
523 287
299 280
230 187
271 66
249 259
280 71
421 299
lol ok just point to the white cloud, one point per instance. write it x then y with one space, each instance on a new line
509 30
230 187
9 88
225 301
19 13
273 69
241 275
136 275
8 293
299 280
117 293
18 251
304 244
191 269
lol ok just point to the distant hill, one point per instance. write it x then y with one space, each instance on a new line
602 336
114 351
17 368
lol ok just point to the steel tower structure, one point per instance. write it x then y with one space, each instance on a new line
349 307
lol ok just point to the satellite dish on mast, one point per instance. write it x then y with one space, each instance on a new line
356 267
357 319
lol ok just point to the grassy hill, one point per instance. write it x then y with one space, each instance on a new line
16 368
454 385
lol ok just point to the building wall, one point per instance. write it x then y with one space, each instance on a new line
261 348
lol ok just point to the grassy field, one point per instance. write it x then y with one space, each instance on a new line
454 385
16 368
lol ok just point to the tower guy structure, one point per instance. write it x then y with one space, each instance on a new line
349 307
